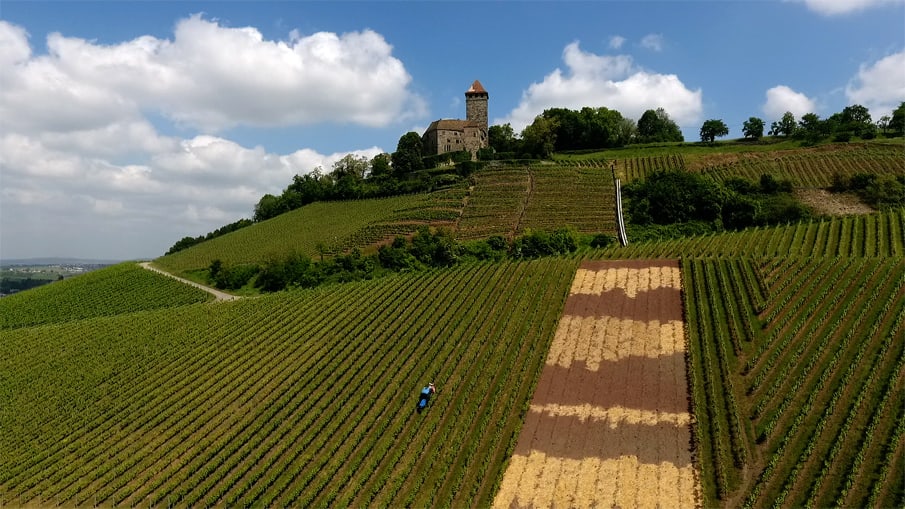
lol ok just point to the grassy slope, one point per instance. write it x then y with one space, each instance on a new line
122 288
334 226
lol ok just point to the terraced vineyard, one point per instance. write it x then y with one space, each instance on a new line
332 226
813 167
880 234
510 201
122 288
638 168
297 399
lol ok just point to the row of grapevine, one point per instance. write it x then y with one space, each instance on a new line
510 201
879 234
307 399
638 168
813 169
827 367
581 198
121 288
495 204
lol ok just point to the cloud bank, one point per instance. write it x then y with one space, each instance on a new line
615 82
82 160
880 86
841 7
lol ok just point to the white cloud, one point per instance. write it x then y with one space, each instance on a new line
838 7
781 99
880 86
611 81
653 42
208 77
616 41
86 173
14 46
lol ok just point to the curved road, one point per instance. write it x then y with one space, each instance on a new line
218 295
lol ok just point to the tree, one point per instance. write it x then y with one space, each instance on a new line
785 126
897 123
380 166
753 128
407 157
539 138
501 138
269 206
655 125
712 129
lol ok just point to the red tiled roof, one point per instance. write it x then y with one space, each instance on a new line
476 88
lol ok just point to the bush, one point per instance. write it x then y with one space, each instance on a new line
601 240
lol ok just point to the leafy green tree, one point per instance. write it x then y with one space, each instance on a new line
785 126
655 125
712 129
674 196
753 128
407 157
269 206
539 138
501 138
897 122
380 166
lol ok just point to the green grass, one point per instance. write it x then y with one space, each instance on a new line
328 227
122 288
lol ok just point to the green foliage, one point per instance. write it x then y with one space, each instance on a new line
535 244
674 196
407 157
753 128
656 126
897 122
712 129
786 126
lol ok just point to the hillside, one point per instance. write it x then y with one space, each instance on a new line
127 387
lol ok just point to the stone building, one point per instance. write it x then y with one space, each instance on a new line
448 135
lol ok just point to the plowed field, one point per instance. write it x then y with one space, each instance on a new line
609 425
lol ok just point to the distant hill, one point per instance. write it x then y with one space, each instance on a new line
55 261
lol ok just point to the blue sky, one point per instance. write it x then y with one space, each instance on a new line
125 126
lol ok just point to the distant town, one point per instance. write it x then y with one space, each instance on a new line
19 275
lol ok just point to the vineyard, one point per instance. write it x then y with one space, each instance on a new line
870 235
509 201
810 168
306 400
123 288
124 387
799 379
328 227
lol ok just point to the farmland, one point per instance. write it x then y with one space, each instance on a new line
123 387
307 400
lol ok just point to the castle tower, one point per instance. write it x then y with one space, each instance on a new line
476 104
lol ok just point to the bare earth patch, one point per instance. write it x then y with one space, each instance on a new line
609 423
834 204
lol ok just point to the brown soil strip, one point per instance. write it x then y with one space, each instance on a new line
609 423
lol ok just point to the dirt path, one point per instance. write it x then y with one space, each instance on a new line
218 295
609 423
